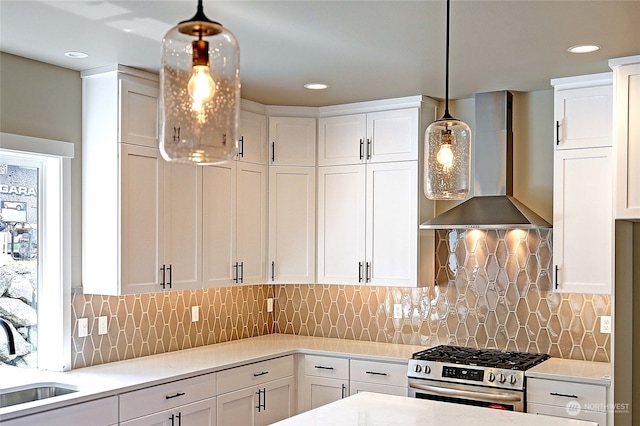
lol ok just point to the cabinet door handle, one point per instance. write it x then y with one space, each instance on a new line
368 148
175 395
262 373
241 152
163 277
563 395
235 272
344 388
557 133
179 416
170 276
273 152
322 367
359 272
375 373
259 393
264 399
241 272
361 148
368 275
273 270
556 276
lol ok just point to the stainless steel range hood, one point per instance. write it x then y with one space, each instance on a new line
493 205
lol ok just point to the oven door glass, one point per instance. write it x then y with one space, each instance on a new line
467 394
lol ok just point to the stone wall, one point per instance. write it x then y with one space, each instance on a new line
18 299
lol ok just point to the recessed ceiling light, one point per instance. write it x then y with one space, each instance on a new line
315 86
74 54
584 48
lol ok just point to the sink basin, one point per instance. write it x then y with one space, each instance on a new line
34 392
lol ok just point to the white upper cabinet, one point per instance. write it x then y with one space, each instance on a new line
252 146
380 136
582 197
139 113
627 136
292 141
292 225
583 111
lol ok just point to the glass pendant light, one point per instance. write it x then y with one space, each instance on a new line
199 92
447 145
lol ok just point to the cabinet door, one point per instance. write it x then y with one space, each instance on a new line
341 227
237 408
583 220
218 224
292 224
320 391
583 117
252 147
392 224
142 220
251 230
138 121
627 146
102 412
183 225
342 140
393 135
561 411
356 387
293 141
201 413
276 401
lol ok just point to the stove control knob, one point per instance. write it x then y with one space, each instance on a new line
417 368
427 369
511 379
501 378
491 377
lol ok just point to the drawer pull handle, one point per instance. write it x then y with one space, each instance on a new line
322 367
262 373
563 394
375 373
175 396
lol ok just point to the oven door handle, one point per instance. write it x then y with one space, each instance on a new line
500 397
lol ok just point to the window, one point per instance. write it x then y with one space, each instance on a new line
35 240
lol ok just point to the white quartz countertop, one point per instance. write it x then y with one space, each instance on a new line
369 409
571 370
124 376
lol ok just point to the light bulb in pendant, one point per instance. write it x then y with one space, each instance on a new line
445 155
201 86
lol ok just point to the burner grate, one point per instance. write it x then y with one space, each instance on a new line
481 357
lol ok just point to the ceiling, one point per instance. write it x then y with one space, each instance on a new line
364 50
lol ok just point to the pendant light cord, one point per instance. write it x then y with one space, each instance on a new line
446 114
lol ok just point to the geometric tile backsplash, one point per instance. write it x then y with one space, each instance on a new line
492 289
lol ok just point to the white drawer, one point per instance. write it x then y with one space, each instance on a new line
385 373
254 374
557 392
169 395
326 366
356 387
556 411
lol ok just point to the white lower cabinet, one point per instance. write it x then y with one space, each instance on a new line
322 379
256 394
378 377
580 401
201 413
102 412
172 403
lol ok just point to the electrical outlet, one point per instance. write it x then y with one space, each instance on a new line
605 324
102 325
195 313
397 311
83 327
270 304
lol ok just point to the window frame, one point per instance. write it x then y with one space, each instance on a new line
53 158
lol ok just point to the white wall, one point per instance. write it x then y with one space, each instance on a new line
45 101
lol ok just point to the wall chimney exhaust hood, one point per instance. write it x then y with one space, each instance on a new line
493 205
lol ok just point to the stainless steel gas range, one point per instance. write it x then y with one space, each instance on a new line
482 377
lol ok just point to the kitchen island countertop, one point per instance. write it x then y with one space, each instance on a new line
369 409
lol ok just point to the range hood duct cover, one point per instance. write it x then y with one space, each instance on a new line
493 205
